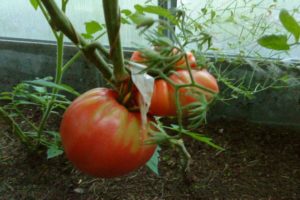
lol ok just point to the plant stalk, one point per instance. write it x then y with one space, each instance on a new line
60 22
57 80
113 25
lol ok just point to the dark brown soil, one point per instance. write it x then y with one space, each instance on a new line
259 163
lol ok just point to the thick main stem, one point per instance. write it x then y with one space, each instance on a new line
113 25
60 22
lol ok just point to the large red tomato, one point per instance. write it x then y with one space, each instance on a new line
180 64
101 137
163 98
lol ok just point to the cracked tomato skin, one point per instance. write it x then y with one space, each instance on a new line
101 137
163 98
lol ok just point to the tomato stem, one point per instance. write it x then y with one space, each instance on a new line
113 25
59 22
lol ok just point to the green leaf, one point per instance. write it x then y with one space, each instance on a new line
203 139
212 14
152 164
156 10
141 20
35 4
126 12
45 83
275 42
24 102
41 90
54 151
92 27
87 36
124 20
289 23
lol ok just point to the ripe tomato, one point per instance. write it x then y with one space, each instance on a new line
180 64
101 137
163 98
137 57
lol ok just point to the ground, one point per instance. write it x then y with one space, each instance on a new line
259 163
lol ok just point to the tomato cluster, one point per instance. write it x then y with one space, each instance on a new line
101 137
163 99
138 57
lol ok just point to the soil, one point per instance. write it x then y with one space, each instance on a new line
259 163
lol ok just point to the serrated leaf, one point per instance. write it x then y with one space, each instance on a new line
203 139
39 89
34 4
63 87
275 42
24 102
54 151
36 98
290 23
156 10
126 12
53 134
87 36
152 164
124 20
92 27
141 20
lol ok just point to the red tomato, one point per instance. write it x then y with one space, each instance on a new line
180 64
137 57
101 137
163 99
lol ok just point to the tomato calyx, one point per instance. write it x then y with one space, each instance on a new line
164 59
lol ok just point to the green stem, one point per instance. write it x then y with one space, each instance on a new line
187 157
71 61
57 80
113 25
47 18
60 21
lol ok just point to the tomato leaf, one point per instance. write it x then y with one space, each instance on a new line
45 83
152 164
126 12
203 139
54 151
87 36
156 10
196 136
92 27
289 23
141 20
275 42
35 4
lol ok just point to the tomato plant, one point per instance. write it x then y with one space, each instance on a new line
163 98
137 56
101 137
